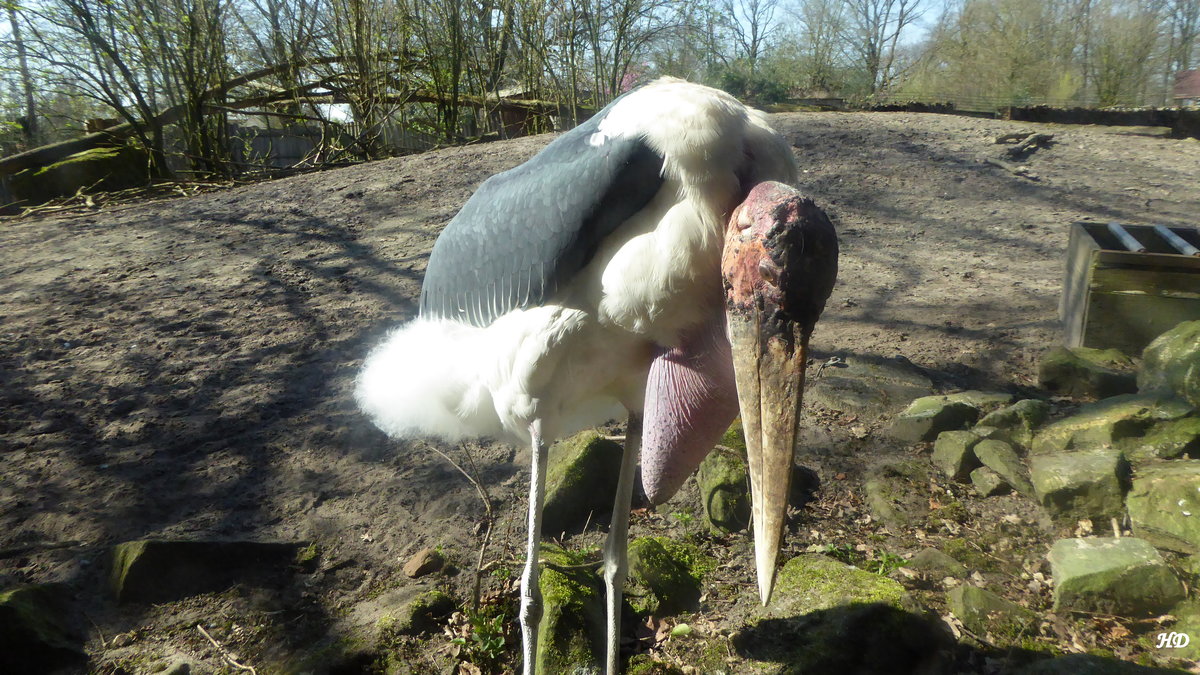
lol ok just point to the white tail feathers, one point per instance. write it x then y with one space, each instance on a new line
429 378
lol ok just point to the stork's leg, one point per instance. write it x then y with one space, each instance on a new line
616 547
531 594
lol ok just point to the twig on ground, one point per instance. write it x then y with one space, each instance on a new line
483 495
100 633
489 517
225 652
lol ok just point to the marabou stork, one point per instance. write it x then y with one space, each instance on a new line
614 269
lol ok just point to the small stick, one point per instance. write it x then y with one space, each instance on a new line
225 652
487 503
100 633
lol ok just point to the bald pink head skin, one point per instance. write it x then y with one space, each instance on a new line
781 253
691 395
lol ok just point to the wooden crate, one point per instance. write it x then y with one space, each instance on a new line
1116 297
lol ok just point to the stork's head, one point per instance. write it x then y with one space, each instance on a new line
779 265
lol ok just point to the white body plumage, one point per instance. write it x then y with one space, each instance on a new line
583 353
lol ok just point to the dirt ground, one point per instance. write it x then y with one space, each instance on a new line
182 368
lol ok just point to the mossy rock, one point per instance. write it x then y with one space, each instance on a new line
988 483
936 564
423 613
734 438
1016 423
953 453
153 570
1125 576
983 401
1164 505
929 416
1075 485
571 631
724 483
896 492
813 582
1087 373
987 614
581 479
1171 363
665 575
34 635
1187 622
1167 440
828 617
95 170
1004 460
1119 421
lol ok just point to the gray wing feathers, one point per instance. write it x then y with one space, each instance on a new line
526 232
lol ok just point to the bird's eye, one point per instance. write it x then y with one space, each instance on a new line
769 271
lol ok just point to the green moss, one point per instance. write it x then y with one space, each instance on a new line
580 479
724 490
827 617
1032 644
29 609
734 438
823 583
954 512
643 664
308 557
572 624
665 574
564 584
124 555
698 563
1102 653
432 601
712 656
971 554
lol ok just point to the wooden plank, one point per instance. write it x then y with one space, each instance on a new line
1130 322
1184 284
1072 309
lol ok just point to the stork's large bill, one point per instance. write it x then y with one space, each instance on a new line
778 267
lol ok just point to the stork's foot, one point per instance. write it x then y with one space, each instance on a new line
531 617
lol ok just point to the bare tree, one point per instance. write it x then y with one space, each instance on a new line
821 25
874 29
363 34
280 32
1123 38
752 25
184 42
1183 30
29 123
